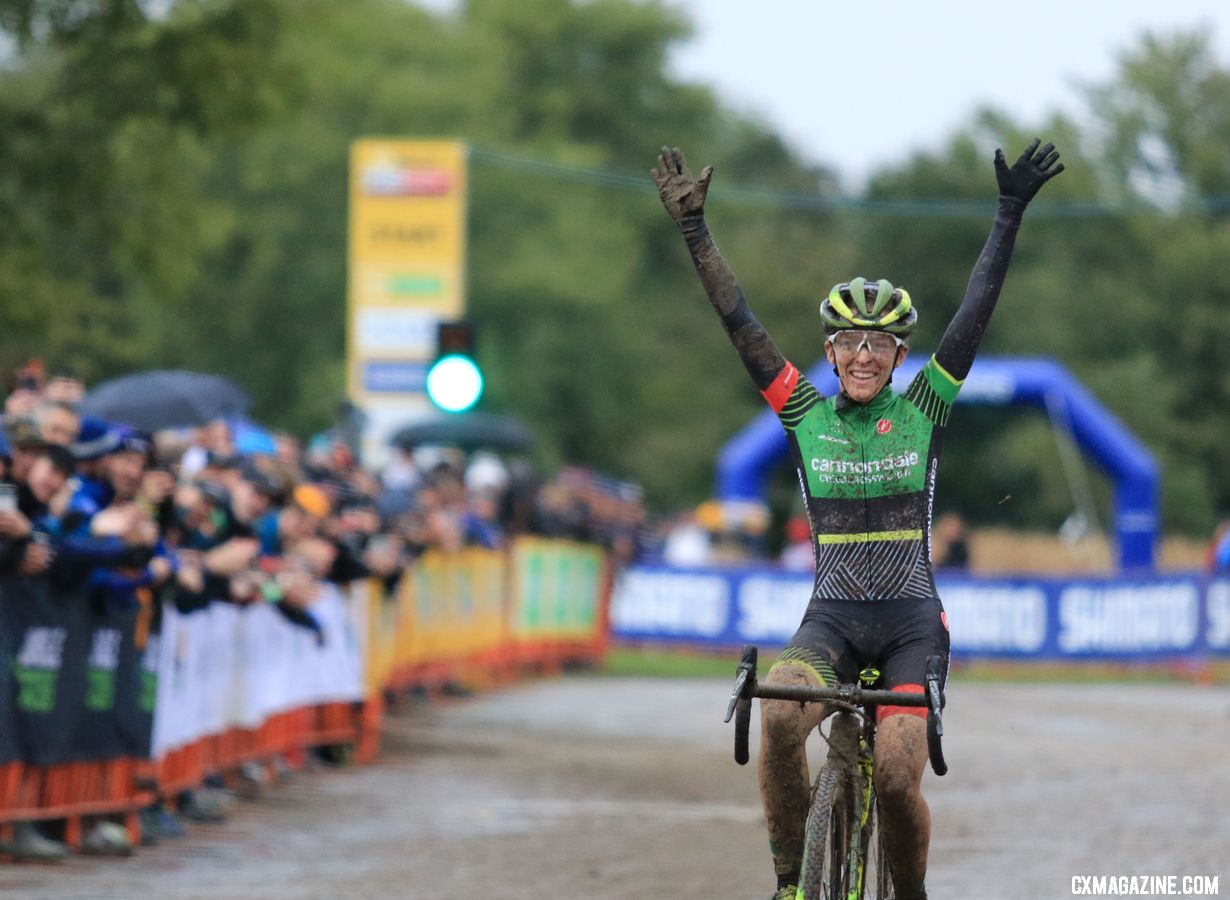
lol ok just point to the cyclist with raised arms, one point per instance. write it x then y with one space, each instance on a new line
866 462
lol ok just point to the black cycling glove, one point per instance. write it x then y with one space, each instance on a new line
1035 168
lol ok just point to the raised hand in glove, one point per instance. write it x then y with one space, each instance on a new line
1035 167
681 194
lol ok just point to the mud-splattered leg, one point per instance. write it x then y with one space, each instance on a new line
905 827
784 788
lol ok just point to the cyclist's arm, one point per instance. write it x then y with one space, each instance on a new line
964 333
1017 186
764 362
683 197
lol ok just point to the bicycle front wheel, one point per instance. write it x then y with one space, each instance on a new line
830 829
878 883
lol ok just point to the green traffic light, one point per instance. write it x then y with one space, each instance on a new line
454 383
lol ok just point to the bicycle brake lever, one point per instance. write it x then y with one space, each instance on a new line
740 681
935 702
747 672
935 691
935 723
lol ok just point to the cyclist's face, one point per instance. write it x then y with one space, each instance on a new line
864 371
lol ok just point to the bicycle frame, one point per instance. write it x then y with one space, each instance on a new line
851 741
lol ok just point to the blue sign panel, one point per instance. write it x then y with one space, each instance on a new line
394 377
1156 617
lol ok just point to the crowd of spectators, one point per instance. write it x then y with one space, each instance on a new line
186 517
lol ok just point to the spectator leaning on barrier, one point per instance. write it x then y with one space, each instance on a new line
24 528
81 559
24 557
129 517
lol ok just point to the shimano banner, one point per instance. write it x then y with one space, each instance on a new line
1049 618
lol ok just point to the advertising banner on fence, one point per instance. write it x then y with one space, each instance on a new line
71 676
556 590
226 666
1080 618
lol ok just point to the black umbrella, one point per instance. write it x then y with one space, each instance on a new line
469 431
165 399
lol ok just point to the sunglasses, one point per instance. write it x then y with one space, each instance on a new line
878 343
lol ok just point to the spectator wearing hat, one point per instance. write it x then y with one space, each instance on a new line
127 464
129 518
96 441
105 541
299 519
122 455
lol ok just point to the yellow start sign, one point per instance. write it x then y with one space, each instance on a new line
407 252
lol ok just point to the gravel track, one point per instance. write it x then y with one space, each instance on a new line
626 788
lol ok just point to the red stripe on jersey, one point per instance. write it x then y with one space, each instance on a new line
782 387
883 712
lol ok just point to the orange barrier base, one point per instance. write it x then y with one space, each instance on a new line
71 792
122 787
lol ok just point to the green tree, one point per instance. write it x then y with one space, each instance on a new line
105 113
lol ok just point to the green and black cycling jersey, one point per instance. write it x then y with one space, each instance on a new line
867 471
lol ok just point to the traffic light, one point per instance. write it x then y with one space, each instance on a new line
454 381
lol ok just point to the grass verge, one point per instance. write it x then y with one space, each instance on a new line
695 663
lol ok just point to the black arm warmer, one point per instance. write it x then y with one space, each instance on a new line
759 354
964 333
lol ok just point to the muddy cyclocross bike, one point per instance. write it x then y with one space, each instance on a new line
843 855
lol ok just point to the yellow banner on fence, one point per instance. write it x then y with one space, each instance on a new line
455 610
450 607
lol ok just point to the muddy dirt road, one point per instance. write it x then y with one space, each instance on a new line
618 788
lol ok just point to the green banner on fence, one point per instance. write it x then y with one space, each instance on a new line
557 589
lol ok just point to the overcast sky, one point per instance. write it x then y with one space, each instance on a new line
828 76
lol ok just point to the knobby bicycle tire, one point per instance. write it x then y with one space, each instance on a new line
830 825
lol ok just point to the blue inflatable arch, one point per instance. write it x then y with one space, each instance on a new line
750 455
